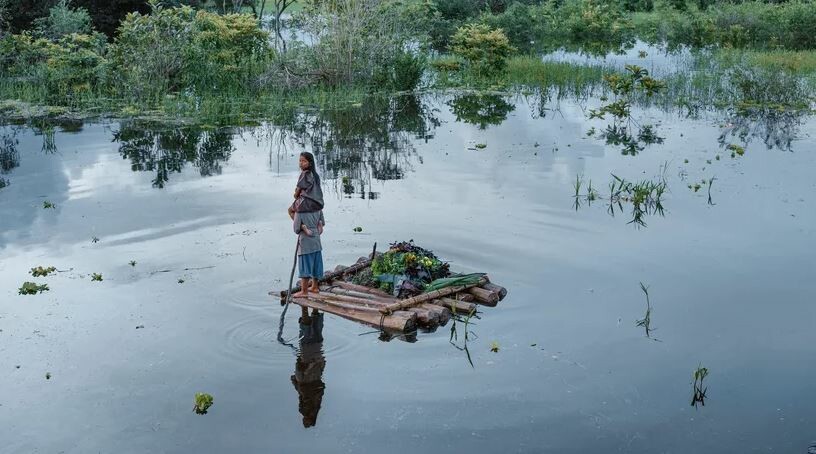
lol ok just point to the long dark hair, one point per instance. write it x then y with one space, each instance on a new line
310 157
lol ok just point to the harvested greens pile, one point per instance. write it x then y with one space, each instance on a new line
404 270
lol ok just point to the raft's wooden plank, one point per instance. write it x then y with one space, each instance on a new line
354 294
498 289
460 307
484 297
443 313
360 288
426 318
400 321
467 297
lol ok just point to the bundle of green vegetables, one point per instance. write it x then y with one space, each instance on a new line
406 269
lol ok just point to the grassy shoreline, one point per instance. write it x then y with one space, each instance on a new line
704 81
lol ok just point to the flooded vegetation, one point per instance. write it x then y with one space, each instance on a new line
574 149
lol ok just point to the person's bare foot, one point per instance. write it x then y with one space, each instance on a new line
300 294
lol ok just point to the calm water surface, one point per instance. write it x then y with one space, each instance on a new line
731 284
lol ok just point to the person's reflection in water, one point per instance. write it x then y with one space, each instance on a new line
308 377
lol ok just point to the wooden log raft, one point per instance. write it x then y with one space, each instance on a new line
377 308
426 297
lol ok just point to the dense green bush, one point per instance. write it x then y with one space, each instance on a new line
63 20
485 49
357 42
594 21
523 24
175 48
402 73
752 24
69 68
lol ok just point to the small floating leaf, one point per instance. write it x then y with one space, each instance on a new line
358 229
47 205
481 145
132 263
494 347
48 375
202 403
735 149
96 277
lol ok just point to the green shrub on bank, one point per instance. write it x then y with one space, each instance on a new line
63 20
66 69
181 48
751 24
485 49
403 72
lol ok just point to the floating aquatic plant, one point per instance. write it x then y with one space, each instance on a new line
96 277
735 149
699 390
480 145
646 196
132 263
42 272
454 335
494 347
646 321
358 229
624 131
31 288
202 403
47 205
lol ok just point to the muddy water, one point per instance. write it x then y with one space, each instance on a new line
730 282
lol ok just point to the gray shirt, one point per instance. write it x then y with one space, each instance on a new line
308 243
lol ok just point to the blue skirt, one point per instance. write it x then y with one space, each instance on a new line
311 265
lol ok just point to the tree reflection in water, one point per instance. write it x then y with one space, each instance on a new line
168 150
355 144
776 127
9 154
480 109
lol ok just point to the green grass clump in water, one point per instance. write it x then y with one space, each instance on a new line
31 288
526 70
202 403
521 71
42 272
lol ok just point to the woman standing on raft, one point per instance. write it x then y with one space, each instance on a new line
307 216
